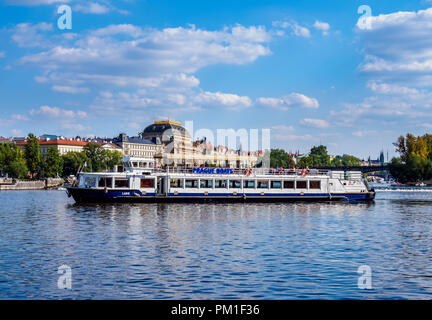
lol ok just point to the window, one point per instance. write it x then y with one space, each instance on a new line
288 184
206 183
191 183
176 183
234 184
105 182
262 184
315 184
147 183
90 182
249 184
301 184
275 184
121 183
220 183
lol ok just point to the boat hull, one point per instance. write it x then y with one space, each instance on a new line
100 195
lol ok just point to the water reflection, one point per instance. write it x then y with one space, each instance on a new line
214 251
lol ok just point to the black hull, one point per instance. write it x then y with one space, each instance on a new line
81 195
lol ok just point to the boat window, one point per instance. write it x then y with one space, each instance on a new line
314 184
105 182
234 184
176 183
250 184
301 184
189 183
142 164
288 184
220 183
206 183
90 182
262 184
147 183
135 164
121 183
275 184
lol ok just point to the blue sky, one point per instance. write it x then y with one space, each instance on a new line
308 70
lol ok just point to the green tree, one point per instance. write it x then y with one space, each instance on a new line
112 158
32 155
280 158
52 163
73 161
12 161
96 155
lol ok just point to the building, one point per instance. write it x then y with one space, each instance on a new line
136 146
63 146
177 148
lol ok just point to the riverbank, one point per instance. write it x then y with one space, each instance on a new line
32 185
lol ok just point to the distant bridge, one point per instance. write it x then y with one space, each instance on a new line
355 168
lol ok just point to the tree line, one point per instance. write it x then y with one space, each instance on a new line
31 163
317 157
415 158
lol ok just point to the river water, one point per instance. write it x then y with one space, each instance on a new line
215 251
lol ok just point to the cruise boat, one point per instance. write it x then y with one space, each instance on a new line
138 180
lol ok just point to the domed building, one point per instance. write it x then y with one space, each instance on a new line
178 149
176 140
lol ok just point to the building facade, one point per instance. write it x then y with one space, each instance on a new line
178 149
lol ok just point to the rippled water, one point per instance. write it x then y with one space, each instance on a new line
215 251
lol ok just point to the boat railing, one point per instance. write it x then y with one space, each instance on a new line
246 172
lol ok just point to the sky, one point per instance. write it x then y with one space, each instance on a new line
313 72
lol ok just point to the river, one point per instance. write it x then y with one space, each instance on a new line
215 251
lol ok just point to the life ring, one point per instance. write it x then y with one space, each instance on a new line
304 172
248 172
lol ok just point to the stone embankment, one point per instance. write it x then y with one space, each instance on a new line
31 185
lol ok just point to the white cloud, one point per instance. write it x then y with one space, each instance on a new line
91 7
69 89
19 117
55 112
227 100
398 47
322 26
291 100
363 133
34 2
316 123
295 28
31 35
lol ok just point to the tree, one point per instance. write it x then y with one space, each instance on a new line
52 163
280 158
32 155
12 161
72 161
96 154
112 158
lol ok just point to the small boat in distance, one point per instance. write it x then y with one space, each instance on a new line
140 181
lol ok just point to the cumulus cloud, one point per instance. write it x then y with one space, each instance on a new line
34 2
91 7
324 27
28 35
227 100
55 112
398 47
69 89
291 100
316 123
295 28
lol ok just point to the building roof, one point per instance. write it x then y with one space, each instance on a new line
159 127
57 142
